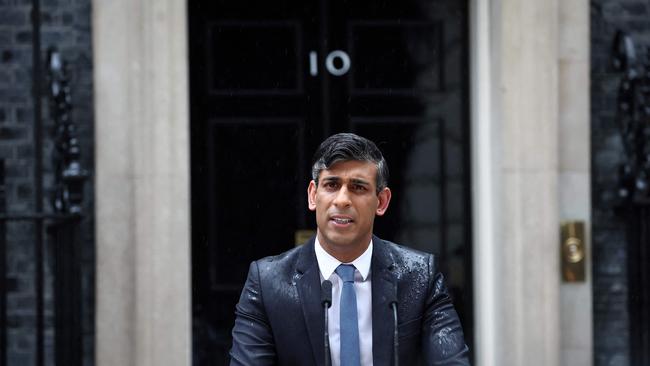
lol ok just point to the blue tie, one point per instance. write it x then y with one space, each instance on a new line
349 324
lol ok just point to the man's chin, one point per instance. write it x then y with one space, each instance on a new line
343 242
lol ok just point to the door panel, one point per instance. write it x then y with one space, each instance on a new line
269 81
254 58
240 186
374 46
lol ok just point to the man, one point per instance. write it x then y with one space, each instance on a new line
280 315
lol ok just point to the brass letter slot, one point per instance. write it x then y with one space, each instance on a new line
573 251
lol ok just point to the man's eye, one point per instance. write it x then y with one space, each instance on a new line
331 185
359 188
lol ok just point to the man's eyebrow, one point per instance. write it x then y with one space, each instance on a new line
331 178
359 181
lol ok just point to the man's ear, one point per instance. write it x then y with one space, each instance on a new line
384 199
311 195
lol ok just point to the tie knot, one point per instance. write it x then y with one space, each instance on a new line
346 272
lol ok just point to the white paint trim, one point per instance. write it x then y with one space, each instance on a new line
483 201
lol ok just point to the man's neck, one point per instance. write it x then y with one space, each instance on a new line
327 263
347 253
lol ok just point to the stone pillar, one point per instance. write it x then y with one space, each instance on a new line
574 176
142 183
515 170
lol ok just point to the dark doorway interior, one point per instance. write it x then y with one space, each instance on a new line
269 81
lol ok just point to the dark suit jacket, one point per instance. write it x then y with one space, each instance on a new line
279 317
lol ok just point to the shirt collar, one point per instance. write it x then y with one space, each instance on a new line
328 264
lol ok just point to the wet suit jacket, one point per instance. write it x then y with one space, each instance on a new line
279 317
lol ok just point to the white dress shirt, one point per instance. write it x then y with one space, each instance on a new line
362 286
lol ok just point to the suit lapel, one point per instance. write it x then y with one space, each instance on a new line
308 285
383 289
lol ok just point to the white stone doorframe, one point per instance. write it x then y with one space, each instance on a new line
143 281
530 167
514 164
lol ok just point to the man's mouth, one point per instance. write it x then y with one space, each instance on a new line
341 221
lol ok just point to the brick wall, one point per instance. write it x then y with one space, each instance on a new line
610 285
65 24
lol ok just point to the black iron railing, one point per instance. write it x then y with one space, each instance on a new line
56 231
633 118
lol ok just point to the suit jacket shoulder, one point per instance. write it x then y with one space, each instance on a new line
281 265
413 271
405 257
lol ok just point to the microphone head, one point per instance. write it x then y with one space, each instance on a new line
392 297
326 293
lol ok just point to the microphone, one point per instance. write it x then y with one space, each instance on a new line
392 302
326 301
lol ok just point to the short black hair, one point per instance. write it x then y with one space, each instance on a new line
347 147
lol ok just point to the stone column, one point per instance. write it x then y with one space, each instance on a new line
515 158
142 183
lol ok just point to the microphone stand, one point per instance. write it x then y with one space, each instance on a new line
392 302
326 300
393 305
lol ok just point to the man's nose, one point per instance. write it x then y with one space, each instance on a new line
342 198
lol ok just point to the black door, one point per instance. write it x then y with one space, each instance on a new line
271 80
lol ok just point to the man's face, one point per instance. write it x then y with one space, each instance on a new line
346 202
